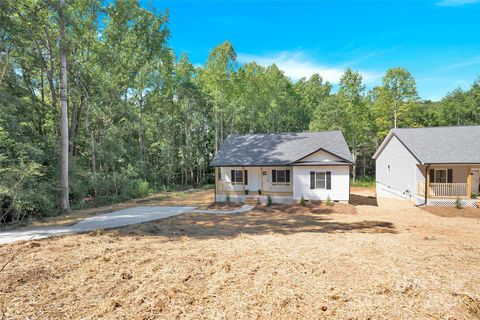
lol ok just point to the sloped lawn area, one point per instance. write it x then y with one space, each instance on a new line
280 262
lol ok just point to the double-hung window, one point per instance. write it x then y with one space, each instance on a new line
441 175
321 180
238 176
281 176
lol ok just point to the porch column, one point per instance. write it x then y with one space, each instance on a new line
427 192
469 182
261 178
243 180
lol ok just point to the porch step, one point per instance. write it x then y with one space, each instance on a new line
252 200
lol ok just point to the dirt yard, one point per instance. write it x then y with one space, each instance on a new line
361 261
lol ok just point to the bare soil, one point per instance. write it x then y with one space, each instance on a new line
454 212
390 260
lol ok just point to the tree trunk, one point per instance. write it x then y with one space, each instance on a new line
354 155
51 73
5 64
65 202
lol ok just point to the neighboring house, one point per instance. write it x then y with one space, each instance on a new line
430 166
285 166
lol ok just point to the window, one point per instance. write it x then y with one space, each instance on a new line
441 175
236 176
281 176
321 180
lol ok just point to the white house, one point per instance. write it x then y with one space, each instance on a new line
431 166
285 166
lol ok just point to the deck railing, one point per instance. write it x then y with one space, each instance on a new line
443 190
448 190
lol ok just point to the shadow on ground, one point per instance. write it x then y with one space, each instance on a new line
277 219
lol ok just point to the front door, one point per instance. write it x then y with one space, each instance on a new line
253 179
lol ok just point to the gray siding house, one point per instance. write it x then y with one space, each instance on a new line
284 166
432 166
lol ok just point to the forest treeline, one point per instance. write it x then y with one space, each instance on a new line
142 118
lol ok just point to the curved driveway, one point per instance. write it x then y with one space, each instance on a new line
105 221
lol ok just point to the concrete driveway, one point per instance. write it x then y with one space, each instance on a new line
105 221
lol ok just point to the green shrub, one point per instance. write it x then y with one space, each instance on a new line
458 203
228 198
329 201
302 201
269 200
474 195
142 188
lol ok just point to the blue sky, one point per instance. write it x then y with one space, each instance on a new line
437 41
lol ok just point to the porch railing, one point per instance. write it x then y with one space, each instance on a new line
443 190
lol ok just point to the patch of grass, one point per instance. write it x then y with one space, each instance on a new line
365 182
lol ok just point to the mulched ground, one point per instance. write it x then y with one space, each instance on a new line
454 212
385 261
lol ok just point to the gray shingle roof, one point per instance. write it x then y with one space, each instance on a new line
442 144
278 149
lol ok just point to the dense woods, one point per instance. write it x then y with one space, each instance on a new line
141 118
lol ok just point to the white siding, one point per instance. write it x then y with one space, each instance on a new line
400 180
340 183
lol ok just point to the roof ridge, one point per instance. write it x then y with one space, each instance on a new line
279 133
439 127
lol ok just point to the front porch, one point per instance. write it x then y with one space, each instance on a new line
444 184
254 184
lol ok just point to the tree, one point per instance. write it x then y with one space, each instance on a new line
217 82
65 200
399 87
350 94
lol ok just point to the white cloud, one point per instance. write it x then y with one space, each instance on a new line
454 3
464 63
297 65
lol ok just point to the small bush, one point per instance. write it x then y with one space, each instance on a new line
228 198
142 188
458 203
302 201
269 200
474 195
329 201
